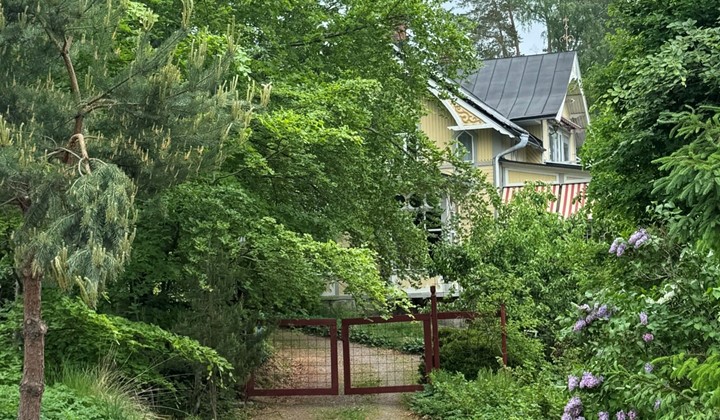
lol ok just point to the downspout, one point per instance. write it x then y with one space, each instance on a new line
524 138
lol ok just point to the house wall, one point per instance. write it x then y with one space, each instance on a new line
483 145
536 130
488 171
435 124
519 173
533 155
520 177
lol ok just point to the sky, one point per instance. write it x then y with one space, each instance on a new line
532 40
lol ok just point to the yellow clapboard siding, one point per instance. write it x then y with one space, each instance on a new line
483 145
435 124
488 171
515 177
535 130
533 155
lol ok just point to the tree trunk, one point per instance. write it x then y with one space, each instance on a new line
515 36
33 384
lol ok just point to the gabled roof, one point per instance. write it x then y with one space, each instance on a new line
491 116
526 87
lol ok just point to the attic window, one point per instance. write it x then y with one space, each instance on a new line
466 146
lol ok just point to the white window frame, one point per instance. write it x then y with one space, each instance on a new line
472 146
559 145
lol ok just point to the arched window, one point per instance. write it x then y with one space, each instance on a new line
467 152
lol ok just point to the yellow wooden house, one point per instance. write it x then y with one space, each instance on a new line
518 120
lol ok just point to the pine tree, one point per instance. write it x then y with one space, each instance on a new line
495 26
94 110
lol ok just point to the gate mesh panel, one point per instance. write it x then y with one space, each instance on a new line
386 354
299 359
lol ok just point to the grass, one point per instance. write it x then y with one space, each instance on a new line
362 378
115 396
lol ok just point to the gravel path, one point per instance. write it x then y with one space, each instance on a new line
371 366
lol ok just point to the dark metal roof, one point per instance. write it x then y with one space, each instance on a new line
532 86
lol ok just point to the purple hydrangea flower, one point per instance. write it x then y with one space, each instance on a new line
647 337
574 407
566 416
632 414
580 418
573 382
621 249
649 368
614 246
603 415
643 318
579 325
658 402
620 415
590 381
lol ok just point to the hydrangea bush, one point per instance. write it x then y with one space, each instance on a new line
649 334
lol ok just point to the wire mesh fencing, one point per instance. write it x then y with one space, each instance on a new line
303 360
385 355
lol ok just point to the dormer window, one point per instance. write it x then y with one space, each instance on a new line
466 146
559 146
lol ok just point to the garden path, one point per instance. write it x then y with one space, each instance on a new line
342 407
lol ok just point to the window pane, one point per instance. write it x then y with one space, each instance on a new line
466 141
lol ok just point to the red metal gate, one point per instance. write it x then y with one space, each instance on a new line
368 367
393 371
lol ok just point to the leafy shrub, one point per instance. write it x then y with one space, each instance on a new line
657 349
493 395
155 358
479 347
59 402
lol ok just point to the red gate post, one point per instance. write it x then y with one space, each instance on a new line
435 332
503 332
345 337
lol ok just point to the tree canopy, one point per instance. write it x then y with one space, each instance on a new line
665 67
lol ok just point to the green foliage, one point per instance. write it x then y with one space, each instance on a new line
152 357
478 347
78 219
113 395
493 395
402 336
210 265
526 258
675 286
9 222
59 402
690 182
666 59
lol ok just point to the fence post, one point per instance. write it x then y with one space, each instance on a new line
435 333
503 332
